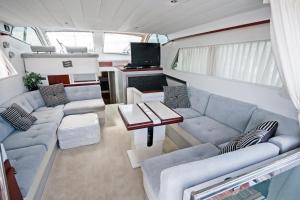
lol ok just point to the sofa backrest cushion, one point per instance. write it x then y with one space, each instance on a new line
198 99
78 93
233 113
5 127
21 101
286 126
35 99
174 180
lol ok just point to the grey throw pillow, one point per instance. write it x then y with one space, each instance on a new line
54 95
18 117
176 97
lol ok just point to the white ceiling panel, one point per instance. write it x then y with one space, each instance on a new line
160 16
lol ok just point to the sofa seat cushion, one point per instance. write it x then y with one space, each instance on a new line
26 162
39 134
209 130
54 115
187 113
44 108
84 106
152 167
35 99
233 113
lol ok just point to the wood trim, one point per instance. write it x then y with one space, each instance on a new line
152 91
105 64
167 121
221 30
80 84
56 79
175 79
131 127
140 69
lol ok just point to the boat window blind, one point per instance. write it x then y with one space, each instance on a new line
249 61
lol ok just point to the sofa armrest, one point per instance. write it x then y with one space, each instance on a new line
174 180
83 92
286 142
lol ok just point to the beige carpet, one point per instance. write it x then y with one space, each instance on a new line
101 171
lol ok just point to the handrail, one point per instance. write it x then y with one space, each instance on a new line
265 172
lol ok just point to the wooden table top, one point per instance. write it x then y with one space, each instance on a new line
144 115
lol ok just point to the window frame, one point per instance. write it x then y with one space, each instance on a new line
5 59
25 35
150 34
211 65
143 39
70 31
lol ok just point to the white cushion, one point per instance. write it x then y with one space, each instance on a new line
84 106
78 130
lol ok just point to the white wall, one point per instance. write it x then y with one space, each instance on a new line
13 86
269 98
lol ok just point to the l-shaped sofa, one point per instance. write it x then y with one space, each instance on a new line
209 124
32 152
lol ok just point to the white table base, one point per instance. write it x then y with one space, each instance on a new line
140 151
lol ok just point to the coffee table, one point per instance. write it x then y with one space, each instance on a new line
147 121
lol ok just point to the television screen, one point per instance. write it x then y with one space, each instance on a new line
145 54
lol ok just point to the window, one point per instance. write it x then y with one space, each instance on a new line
32 38
19 33
193 60
26 34
250 61
75 39
119 43
157 38
6 68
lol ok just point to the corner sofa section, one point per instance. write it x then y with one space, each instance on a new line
209 124
32 152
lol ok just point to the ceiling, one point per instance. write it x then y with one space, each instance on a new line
148 16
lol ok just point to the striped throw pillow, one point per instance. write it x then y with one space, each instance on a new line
262 133
231 146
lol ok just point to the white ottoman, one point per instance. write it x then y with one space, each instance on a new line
78 130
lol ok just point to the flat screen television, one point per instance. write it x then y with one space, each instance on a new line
145 54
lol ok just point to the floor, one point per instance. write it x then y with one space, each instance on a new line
101 171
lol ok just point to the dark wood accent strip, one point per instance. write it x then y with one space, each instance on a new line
137 125
140 69
105 64
167 121
80 84
55 79
221 30
175 79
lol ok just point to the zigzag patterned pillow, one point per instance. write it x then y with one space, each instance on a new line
262 133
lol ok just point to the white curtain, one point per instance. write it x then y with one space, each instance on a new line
285 37
193 60
249 61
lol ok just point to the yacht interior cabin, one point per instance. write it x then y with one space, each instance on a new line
149 99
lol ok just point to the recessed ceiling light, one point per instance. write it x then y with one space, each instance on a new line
174 1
